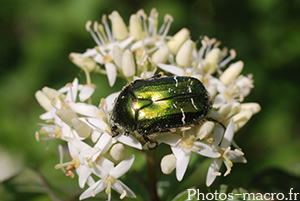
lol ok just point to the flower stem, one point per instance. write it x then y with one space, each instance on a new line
151 166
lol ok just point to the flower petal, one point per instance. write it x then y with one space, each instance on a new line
139 44
48 115
122 167
85 109
83 174
228 135
235 157
99 58
126 42
93 190
86 92
214 167
72 91
102 167
111 73
104 143
110 100
206 150
168 138
95 136
182 161
76 146
130 141
219 101
172 69
89 53
217 134
97 124
120 187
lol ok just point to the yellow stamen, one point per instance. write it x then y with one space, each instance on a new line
109 181
90 164
124 193
188 143
228 95
107 59
229 163
75 162
239 152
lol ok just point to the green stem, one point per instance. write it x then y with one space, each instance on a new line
46 185
151 166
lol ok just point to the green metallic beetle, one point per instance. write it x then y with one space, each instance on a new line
159 104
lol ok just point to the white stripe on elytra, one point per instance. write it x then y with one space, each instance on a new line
192 100
175 78
183 116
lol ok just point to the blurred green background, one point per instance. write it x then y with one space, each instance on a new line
37 36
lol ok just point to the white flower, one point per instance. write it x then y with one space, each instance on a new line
62 111
47 97
142 39
243 116
109 179
233 92
76 147
93 154
183 146
136 52
227 156
202 63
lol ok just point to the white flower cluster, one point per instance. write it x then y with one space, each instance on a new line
140 51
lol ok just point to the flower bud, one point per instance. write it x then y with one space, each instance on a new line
205 129
241 118
119 29
161 55
43 100
117 152
254 107
117 54
232 72
211 61
82 129
66 115
83 62
212 91
168 163
183 57
178 39
128 64
135 27
229 109
51 93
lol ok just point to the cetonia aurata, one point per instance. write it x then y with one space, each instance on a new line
159 104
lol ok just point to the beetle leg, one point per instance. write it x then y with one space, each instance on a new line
151 148
157 76
114 131
148 141
216 121
126 133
